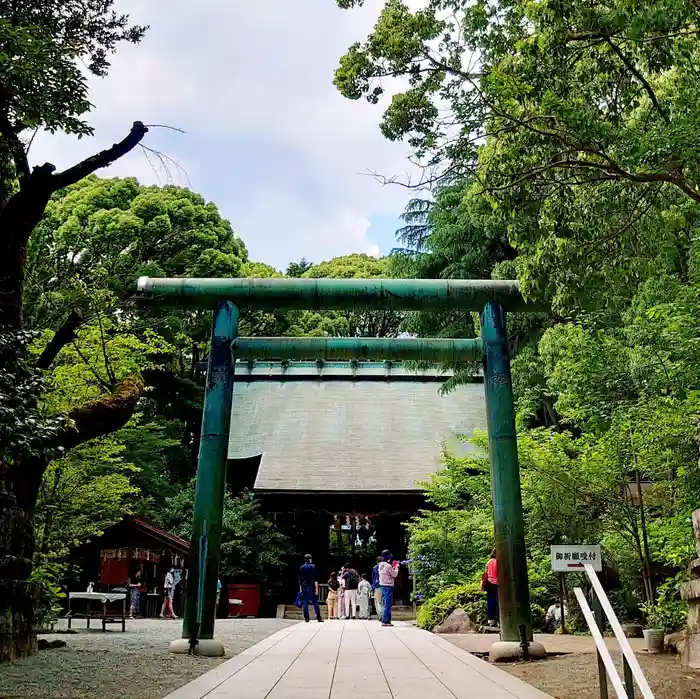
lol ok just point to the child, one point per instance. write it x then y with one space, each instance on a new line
364 594
332 600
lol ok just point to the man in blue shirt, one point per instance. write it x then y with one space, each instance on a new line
376 590
308 584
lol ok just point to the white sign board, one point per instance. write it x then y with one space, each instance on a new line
570 558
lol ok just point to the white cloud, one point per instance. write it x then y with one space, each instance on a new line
270 139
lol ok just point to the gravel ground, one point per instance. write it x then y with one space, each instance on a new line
575 676
116 665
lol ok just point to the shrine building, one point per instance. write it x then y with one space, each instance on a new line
335 452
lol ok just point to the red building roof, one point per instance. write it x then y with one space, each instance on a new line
170 540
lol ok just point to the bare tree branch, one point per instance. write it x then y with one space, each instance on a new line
100 381
165 162
640 78
165 126
64 335
99 160
442 66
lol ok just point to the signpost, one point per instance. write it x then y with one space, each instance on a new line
570 558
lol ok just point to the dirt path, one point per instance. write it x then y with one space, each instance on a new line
575 676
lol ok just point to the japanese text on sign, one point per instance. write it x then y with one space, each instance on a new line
571 558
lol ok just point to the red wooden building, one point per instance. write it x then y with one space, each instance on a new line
109 560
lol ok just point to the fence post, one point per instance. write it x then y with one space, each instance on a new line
629 679
600 621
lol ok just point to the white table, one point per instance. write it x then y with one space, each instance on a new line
104 598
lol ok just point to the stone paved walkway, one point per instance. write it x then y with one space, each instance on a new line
355 660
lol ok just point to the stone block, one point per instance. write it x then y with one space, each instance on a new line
510 651
693 622
691 590
691 651
694 568
457 622
672 640
206 647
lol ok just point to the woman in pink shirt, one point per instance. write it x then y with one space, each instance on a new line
491 572
388 572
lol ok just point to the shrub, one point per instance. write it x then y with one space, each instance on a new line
669 611
51 594
472 600
669 615
538 614
438 608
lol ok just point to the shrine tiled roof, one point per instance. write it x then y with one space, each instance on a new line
340 428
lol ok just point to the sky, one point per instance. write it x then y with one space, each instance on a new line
269 139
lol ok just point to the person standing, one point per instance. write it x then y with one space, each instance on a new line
137 583
388 572
491 584
169 592
377 590
308 584
332 599
364 595
341 593
352 582
553 619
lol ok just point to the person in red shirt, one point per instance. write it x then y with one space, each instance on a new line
491 573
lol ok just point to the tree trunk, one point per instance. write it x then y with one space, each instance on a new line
651 587
19 599
20 212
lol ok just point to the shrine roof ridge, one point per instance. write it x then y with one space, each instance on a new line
286 370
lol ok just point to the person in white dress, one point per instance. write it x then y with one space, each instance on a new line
364 594
341 593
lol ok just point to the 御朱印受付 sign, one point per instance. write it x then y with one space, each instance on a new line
571 558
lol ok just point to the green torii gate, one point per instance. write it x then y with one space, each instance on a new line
226 296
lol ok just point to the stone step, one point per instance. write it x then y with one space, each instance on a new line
398 612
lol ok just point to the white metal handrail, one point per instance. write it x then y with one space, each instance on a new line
627 651
617 683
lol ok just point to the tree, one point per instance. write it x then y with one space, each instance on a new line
99 236
564 131
81 494
298 269
450 542
43 86
347 323
96 239
251 549
575 119
602 90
